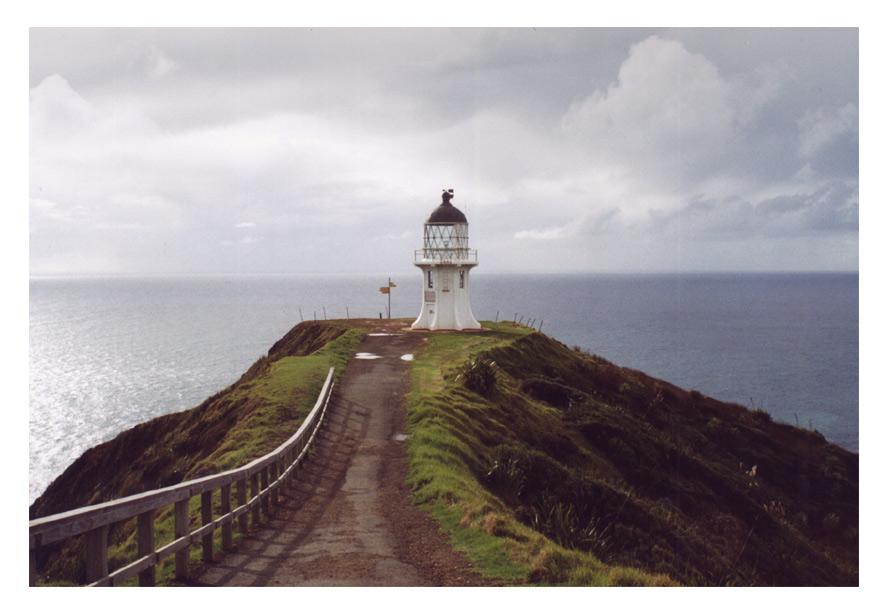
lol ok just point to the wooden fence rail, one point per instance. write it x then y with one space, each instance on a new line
266 476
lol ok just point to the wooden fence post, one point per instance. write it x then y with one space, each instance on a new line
266 505
181 529
285 464
96 554
32 574
206 517
272 477
242 521
254 491
227 539
145 530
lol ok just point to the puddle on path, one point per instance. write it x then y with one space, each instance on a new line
367 356
401 437
407 357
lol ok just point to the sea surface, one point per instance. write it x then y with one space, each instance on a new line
108 353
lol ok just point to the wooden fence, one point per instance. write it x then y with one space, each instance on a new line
265 477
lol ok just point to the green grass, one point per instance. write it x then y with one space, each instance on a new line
279 401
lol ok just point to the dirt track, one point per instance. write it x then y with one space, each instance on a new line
349 521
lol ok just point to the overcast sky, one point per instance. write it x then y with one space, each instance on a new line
324 150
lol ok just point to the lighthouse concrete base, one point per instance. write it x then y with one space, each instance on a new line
445 301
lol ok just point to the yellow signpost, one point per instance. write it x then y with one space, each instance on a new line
387 291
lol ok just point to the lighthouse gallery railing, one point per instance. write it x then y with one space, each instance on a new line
265 475
446 255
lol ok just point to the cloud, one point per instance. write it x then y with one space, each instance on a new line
158 64
57 112
406 235
666 102
820 128
830 209
549 233
77 261
42 208
698 153
158 146
589 223
54 99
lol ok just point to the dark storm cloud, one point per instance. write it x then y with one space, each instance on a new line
832 208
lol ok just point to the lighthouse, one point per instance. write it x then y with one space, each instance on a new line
445 260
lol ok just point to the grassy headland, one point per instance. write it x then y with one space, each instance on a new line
552 466
547 465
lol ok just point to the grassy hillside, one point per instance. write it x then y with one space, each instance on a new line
556 467
241 423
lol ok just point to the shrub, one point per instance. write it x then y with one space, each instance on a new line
504 473
567 526
479 375
761 416
523 471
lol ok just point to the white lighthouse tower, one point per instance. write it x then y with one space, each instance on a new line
445 261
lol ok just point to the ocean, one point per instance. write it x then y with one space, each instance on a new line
107 353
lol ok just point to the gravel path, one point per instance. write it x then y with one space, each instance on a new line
349 521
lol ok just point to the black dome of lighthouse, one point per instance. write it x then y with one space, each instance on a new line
446 214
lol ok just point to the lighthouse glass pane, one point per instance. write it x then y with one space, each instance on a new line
446 242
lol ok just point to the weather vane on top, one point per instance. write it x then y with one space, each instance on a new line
448 195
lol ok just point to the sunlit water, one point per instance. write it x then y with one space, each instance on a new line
106 354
